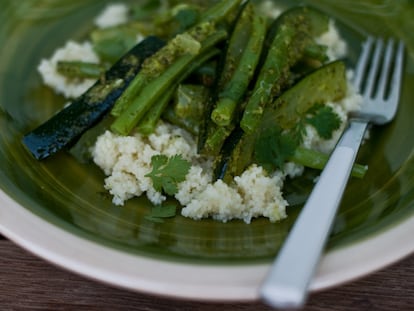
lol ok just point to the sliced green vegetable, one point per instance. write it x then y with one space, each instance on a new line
240 61
327 84
150 120
317 160
188 106
236 155
175 73
80 70
293 33
69 124
197 39
283 123
235 87
183 48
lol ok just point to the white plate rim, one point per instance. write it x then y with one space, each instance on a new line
184 280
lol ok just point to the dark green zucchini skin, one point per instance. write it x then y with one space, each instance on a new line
64 128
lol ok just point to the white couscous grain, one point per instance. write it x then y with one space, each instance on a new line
337 47
113 15
253 194
72 51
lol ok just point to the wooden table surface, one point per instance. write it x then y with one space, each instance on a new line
30 283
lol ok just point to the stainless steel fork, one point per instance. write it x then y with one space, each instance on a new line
378 78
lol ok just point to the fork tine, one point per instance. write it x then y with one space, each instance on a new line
397 74
385 73
395 86
374 68
362 63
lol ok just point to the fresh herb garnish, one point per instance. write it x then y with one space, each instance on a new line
324 119
160 212
168 172
274 146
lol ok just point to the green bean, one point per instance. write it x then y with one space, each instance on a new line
151 92
273 76
151 118
180 46
317 160
240 156
294 33
212 136
125 99
176 48
79 69
234 48
216 138
235 88
236 155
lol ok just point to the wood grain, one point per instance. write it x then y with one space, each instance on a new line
30 283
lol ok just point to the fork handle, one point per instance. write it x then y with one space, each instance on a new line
290 275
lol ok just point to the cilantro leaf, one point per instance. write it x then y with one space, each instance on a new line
168 172
324 119
298 132
273 148
274 145
160 212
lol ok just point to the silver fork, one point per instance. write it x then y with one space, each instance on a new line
289 278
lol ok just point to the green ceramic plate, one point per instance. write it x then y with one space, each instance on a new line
58 209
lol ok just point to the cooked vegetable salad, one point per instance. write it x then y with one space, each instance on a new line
211 104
